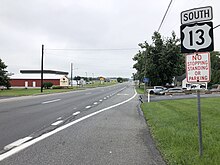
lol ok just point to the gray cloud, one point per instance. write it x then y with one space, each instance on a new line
25 25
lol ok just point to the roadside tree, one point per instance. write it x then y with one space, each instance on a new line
4 79
161 61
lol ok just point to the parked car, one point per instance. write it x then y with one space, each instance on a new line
156 89
171 90
3 87
175 90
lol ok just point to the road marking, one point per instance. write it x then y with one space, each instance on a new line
51 101
125 94
17 143
87 107
57 122
59 118
44 136
104 98
75 108
95 103
100 100
76 113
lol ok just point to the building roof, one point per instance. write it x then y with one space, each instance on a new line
44 71
36 76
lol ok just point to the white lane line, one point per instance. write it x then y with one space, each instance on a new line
57 122
87 107
59 118
100 100
44 136
104 98
76 113
51 101
17 143
95 103
125 94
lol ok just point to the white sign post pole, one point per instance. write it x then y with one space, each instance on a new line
148 97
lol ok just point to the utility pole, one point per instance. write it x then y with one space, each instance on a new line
93 78
86 76
42 68
71 74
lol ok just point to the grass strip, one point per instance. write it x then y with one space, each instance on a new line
140 89
36 91
173 125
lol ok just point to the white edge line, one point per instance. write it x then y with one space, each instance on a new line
44 136
57 122
51 101
17 143
76 113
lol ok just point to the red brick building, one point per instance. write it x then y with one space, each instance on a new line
32 78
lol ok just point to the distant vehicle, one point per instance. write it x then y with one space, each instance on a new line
3 87
156 89
171 90
89 82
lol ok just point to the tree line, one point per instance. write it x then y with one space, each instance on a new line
162 60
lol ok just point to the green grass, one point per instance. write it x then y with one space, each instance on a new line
174 126
36 91
140 90
32 91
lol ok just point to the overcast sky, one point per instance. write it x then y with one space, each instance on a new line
87 24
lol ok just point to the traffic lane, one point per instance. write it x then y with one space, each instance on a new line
89 111
32 100
115 136
24 121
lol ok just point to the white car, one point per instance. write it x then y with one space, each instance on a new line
156 89
3 87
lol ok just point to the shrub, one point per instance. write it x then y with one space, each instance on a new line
48 85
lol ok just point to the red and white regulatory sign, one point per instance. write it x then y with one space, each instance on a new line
198 67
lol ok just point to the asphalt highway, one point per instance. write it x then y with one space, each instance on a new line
21 117
96 126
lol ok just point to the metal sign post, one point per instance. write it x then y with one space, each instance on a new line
197 37
199 123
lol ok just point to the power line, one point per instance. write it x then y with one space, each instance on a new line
165 15
96 49
216 26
